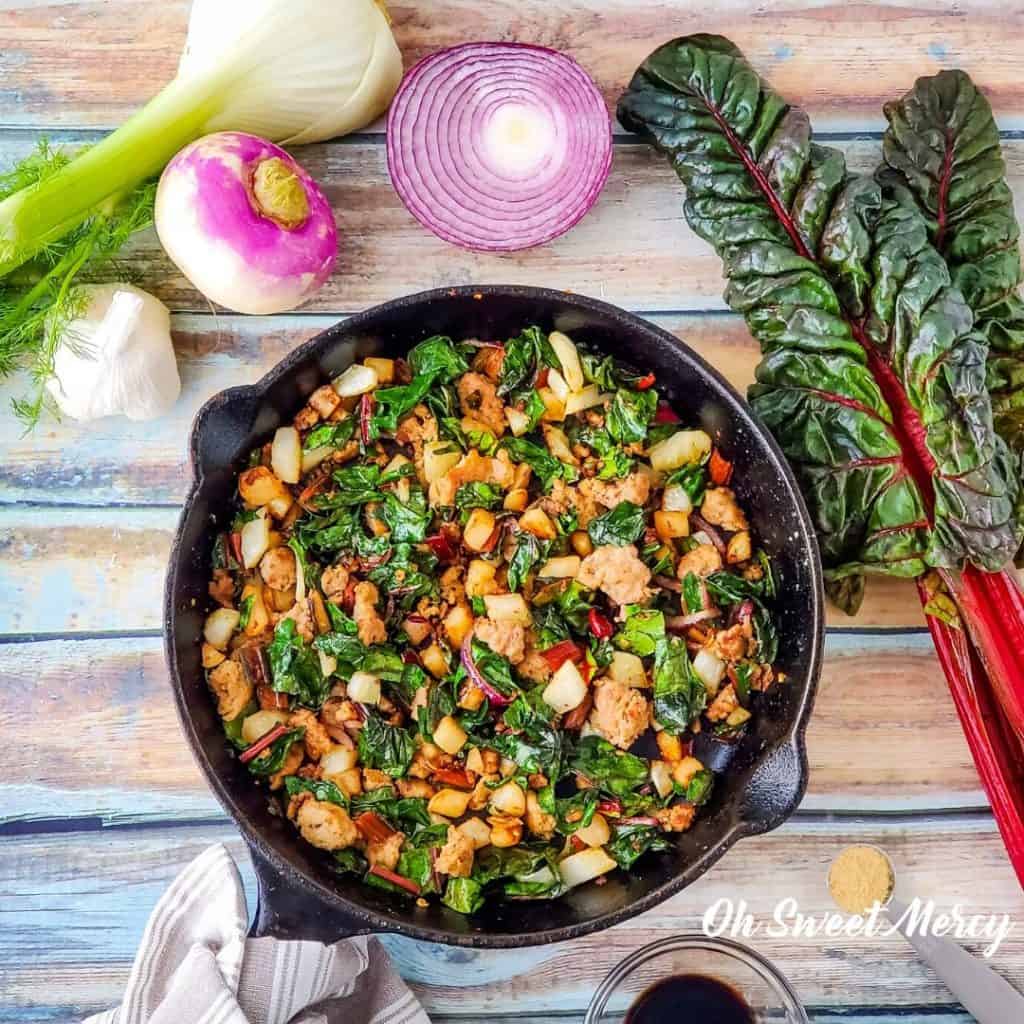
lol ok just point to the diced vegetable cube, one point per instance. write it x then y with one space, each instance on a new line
259 486
509 799
480 578
590 396
260 723
585 866
255 539
554 407
558 444
364 687
564 567
710 668
477 532
439 457
566 689
508 608
384 368
458 624
684 448
627 669
477 831
356 380
435 661
449 803
449 735
518 422
286 455
685 770
338 760
597 833
675 499
669 525
569 357
536 521
661 777
219 627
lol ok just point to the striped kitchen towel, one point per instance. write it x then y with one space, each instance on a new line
196 966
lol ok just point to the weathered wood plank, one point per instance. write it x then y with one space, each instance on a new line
94 570
864 756
632 249
841 61
74 906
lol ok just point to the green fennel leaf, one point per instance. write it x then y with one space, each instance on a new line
39 300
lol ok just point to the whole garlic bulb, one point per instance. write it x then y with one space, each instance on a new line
116 357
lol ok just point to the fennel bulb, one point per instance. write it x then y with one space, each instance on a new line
293 71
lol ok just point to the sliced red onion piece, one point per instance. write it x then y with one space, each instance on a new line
497 698
675 623
639 819
668 583
498 147
696 519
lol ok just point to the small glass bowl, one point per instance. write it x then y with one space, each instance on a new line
770 995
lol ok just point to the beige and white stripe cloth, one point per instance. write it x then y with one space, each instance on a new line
196 966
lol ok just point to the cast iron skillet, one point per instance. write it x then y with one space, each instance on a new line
299 895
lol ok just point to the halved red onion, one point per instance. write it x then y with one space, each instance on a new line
498 147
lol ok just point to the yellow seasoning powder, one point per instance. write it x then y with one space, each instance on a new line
860 877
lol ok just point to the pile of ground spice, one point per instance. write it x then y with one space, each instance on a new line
860 877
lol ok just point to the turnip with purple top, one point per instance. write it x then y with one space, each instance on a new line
245 223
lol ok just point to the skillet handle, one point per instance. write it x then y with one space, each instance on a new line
285 910
776 787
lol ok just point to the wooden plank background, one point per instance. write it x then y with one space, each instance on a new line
100 803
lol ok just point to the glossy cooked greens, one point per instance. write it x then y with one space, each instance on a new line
467 629
873 379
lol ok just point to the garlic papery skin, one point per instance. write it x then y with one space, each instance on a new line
116 357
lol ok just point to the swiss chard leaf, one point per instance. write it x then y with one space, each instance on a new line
576 812
407 520
391 404
679 694
546 466
620 526
438 358
632 841
613 771
529 552
404 578
532 741
320 788
295 667
386 747
272 760
478 495
524 356
872 379
942 144
404 813
643 629
330 435
463 895
629 414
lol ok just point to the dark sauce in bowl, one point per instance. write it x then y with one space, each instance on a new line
690 997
